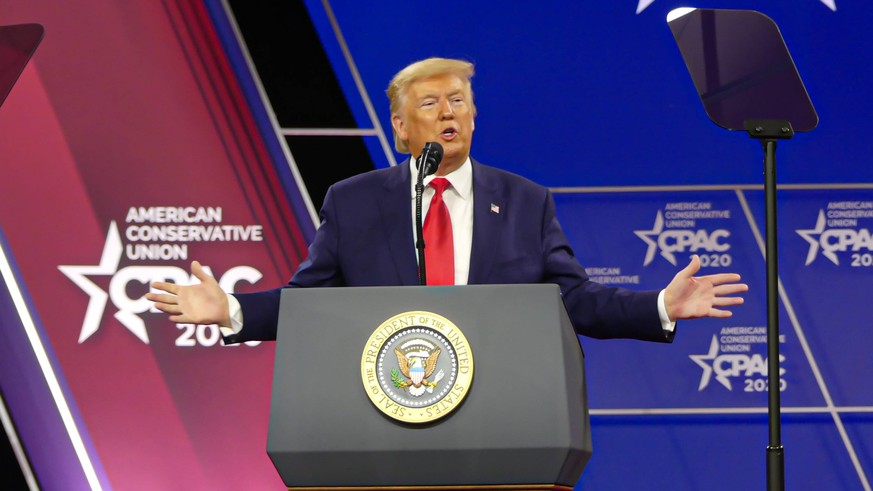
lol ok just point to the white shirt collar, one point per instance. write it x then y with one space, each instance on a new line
461 178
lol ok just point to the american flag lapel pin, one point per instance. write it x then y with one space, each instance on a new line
495 209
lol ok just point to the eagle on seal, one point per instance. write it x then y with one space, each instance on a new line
412 368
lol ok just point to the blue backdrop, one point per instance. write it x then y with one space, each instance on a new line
582 95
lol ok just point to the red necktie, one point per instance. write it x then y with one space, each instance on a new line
439 247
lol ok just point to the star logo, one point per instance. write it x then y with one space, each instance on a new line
646 236
108 266
643 4
815 243
125 285
705 362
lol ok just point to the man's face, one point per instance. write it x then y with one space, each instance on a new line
437 109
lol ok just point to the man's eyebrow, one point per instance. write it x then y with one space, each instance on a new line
427 96
435 95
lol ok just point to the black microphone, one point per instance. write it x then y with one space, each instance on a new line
429 160
427 164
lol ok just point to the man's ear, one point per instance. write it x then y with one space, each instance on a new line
399 127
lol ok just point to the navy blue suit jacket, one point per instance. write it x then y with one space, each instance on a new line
366 239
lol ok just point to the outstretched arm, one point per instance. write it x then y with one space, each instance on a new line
204 303
693 297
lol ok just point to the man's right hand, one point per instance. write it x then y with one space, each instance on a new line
204 303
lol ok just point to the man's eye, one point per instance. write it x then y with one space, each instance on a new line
427 103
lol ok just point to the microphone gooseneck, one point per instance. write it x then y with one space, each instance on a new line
427 164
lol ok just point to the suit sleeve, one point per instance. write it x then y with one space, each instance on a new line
596 310
260 310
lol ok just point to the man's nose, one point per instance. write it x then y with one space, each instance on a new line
446 109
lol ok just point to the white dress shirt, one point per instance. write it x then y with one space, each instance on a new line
459 201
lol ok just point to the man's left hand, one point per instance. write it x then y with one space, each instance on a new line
693 297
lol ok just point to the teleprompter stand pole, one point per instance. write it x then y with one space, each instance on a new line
762 94
768 132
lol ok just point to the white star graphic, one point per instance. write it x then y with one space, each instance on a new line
814 243
642 4
701 361
657 228
108 266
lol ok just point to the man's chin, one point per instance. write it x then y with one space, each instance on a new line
455 150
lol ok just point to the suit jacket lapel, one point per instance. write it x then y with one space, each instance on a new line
395 210
489 212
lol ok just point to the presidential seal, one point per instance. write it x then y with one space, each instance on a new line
417 367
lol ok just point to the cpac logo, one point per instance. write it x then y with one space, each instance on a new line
130 308
834 240
673 241
728 365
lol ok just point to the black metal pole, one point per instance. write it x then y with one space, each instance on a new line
768 131
419 233
775 451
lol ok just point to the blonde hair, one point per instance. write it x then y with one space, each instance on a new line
424 69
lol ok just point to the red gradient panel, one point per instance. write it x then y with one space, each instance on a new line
130 106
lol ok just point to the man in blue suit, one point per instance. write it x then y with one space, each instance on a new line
503 230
